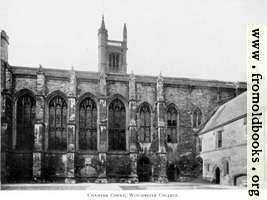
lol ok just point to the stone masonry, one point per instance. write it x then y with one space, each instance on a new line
111 82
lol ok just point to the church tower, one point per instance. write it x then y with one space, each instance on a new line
111 53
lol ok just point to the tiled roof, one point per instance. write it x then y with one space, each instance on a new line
227 112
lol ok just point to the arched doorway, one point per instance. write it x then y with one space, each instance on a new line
144 170
217 175
240 179
172 172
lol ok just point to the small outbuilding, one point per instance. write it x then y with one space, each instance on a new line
223 143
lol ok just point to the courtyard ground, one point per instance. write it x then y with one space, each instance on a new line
117 186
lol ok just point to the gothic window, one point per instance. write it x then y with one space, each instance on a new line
200 145
197 115
117 60
88 125
110 59
8 114
57 139
145 123
116 125
219 139
25 122
245 121
114 61
226 167
171 124
208 167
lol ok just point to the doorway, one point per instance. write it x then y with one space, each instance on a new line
172 172
217 175
144 170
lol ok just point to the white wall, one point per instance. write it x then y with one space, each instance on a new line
233 150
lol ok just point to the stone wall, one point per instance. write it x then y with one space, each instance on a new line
25 83
233 150
185 94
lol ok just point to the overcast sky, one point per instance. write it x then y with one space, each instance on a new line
181 38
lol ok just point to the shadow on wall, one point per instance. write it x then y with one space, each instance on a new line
189 166
240 180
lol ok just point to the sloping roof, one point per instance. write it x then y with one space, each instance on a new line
231 110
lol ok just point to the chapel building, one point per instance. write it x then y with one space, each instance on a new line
105 126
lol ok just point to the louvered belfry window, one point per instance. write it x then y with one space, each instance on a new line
57 124
116 125
114 61
145 123
88 125
25 122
